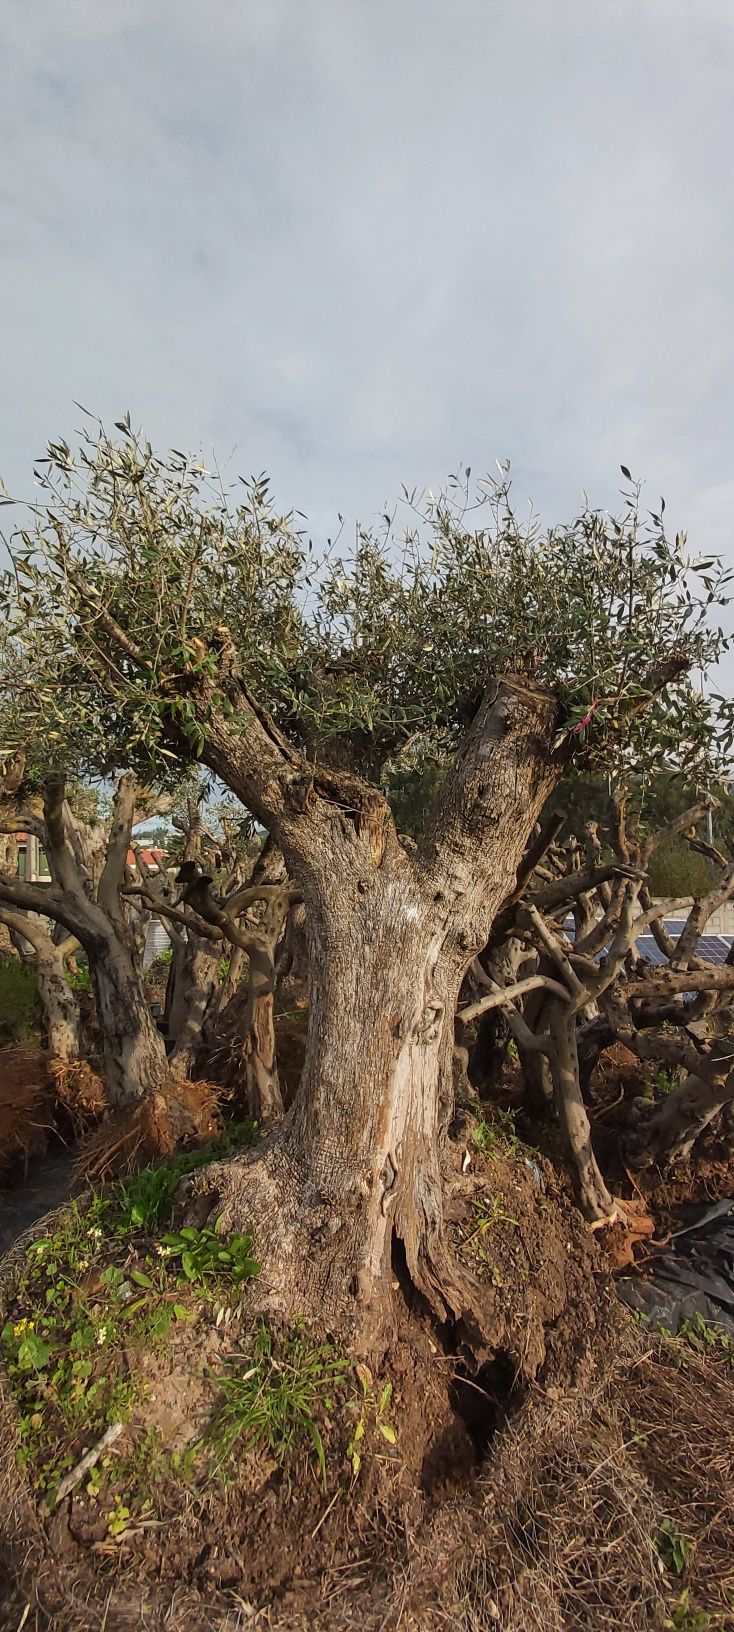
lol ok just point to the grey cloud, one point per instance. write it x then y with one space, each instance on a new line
356 241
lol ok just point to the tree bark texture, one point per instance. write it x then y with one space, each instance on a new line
356 1168
134 1054
196 963
59 1006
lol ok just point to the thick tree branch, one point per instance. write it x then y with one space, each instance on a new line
574 884
508 747
507 994
665 981
552 945
61 858
41 898
118 844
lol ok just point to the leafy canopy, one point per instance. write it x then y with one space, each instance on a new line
140 584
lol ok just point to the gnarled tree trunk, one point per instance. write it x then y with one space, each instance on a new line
354 1174
669 1130
134 1054
196 964
59 1006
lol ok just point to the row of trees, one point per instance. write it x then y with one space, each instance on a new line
154 622
100 901
564 969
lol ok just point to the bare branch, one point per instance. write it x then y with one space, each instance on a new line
580 883
679 824
708 850
699 917
60 853
40 898
553 946
663 981
163 909
507 994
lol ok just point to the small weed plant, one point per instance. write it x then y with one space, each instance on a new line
79 979
274 1398
487 1215
205 1256
374 1409
664 1083
99 1288
673 1548
683 1618
498 1136
145 1202
700 1335
696 1333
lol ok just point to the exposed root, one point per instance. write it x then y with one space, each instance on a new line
185 1113
80 1091
26 1104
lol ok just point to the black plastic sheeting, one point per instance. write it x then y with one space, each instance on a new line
692 1275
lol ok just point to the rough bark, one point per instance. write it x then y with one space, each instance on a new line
292 967
262 1088
355 1171
681 1117
196 964
594 1197
59 1006
134 1054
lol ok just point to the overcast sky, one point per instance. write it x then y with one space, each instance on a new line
355 242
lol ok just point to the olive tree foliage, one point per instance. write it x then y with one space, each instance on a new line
163 618
141 588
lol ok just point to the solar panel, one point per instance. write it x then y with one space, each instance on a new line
712 948
648 948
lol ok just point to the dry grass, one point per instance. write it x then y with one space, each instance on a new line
567 1536
682 1407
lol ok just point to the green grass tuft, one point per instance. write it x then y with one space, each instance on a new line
20 1010
273 1398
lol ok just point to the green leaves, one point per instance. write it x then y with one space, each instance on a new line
204 1255
147 602
33 1354
674 1549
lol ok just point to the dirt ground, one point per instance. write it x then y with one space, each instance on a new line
580 1477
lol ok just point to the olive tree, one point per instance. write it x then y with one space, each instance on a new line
198 623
